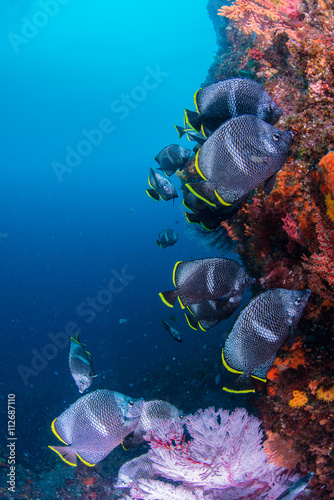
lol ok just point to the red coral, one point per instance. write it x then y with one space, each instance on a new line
291 228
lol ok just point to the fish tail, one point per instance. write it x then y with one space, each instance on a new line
66 453
179 130
153 194
169 297
193 119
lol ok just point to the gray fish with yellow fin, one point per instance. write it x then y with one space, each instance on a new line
160 187
138 468
172 158
208 314
201 280
152 413
218 102
94 425
259 331
238 157
81 364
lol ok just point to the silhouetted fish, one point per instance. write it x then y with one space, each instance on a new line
172 158
160 187
81 365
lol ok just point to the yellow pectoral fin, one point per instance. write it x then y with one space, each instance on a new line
201 327
56 433
203 131
260 379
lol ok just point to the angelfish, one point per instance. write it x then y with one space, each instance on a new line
160 187
259 331
81 365
201 280
94 425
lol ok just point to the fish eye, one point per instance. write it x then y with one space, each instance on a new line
276 137
297 302
131 403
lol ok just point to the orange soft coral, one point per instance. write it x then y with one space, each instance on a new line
262 17
327 166
325 394
299 399
281 451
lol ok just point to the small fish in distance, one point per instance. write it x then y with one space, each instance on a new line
81 365
218 102
171 330
94 425
200 280
259 331
172 158
160 187
138 468
238 157
167 238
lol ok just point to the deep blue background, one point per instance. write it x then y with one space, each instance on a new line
61 240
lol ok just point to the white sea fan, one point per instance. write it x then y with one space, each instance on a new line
222 460
157 490
225 451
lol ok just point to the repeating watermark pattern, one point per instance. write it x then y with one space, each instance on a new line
30 27
120 109
11 445
87 310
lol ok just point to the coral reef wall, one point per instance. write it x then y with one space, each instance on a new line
286 239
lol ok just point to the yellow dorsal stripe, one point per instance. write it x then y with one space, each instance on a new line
183 307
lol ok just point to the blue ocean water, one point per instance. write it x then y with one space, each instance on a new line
90 92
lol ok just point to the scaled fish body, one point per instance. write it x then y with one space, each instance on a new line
151 414
209 217
167 238
160 187
208 314
94 425
138 468
238 157
81 365
172 158
296 488
260 330
227 99
172 331
201 280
